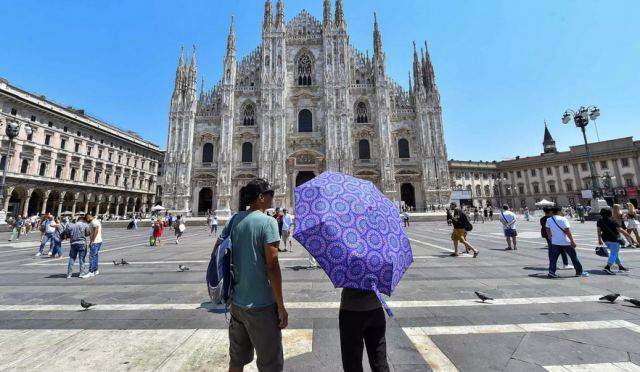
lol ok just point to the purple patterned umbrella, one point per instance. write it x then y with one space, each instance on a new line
353 231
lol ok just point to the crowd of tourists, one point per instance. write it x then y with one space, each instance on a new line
615 228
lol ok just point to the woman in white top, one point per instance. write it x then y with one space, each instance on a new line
632 223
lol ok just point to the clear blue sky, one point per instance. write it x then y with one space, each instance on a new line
503 66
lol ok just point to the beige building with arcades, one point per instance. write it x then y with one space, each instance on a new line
558 176
70 161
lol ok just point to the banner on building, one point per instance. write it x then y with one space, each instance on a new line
587 194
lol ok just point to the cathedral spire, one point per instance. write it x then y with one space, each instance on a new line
202 86
339 14
193 58
280 14
377 38
417 73
231 41
181 61
549 143
268 18
326 19
430 76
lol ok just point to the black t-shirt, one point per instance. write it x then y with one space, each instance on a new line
609 230
459 219
543 224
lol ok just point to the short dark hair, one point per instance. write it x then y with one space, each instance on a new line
546 210
453 203
606 212
89 214
505 207
555 209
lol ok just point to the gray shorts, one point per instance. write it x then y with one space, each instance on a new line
255 328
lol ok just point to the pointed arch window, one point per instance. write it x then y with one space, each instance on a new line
362 113
248 115
403 149
207 153
247 152
364 150
304 70
305 121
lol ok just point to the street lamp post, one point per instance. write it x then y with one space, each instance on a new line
581 120
12 130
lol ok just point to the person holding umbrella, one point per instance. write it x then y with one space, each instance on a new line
356 235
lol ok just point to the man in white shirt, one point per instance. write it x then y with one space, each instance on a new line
94 245
286 230
508 220
559 232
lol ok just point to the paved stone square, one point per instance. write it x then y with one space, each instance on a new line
150 316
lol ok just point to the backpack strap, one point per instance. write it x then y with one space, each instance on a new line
561 229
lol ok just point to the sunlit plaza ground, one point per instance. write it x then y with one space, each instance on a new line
149 316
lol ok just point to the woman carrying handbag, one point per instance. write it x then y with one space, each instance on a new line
609 232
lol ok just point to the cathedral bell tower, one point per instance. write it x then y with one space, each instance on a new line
178 159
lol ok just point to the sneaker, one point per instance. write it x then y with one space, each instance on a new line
86 276
49 254
567 267
95 273
475 254
68 276
552 275
38 254
508 249
583 274
607 269
622 269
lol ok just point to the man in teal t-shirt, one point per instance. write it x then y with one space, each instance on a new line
257 311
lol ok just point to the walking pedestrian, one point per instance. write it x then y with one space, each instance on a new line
47 228
405 218
559 231
508 220
476 214
526 214
486 214
543 233
491 214
258 314
95 243
78 232
449 217
619 218
179 227
17 227
213 224
609 233
580 212
362 318
57 238
286 230
632 223
460 223
157 232
278 217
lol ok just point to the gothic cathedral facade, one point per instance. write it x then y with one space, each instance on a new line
303 102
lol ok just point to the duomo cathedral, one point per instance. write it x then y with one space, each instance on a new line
304 101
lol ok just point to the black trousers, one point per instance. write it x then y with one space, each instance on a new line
370 326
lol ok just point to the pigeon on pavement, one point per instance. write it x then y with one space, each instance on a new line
183 268
633 301
482 296
123 262
86 305
115 263
610 297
